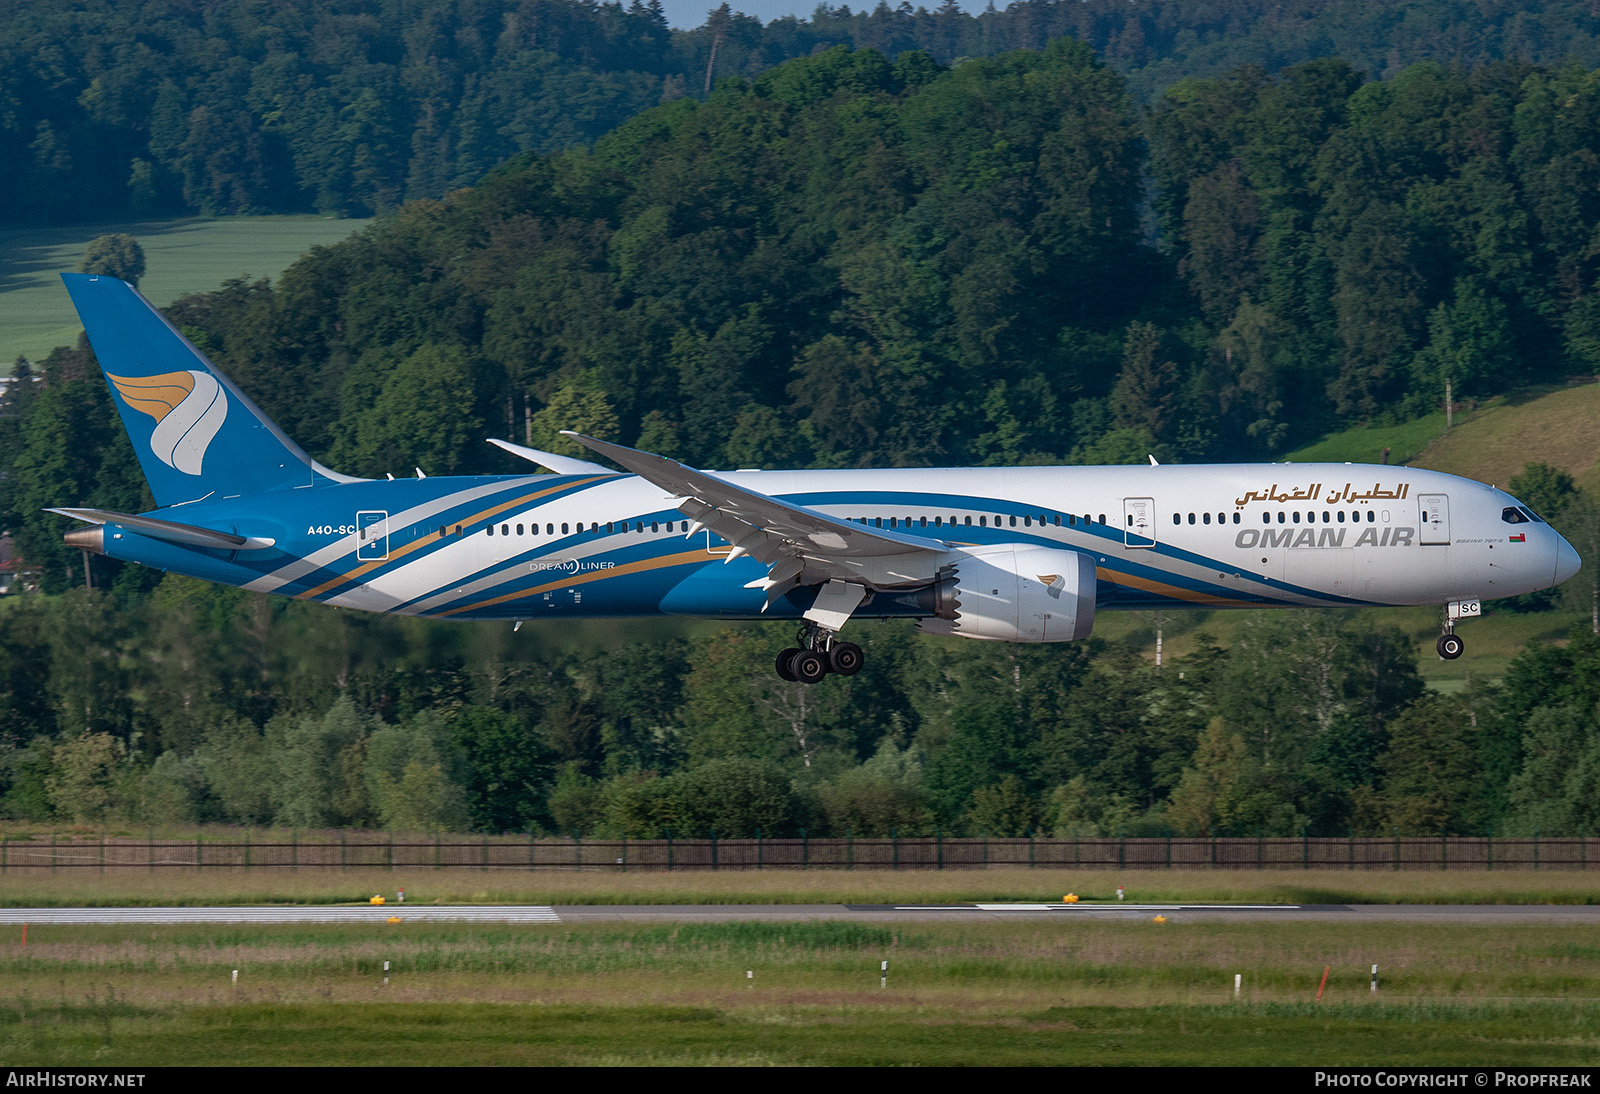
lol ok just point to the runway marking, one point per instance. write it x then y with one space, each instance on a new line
1121 907
365 913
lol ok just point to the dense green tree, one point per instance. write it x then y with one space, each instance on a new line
117 254
319 763
1431 775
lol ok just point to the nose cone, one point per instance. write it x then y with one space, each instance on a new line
1567 560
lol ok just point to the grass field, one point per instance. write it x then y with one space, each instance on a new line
1040 992
190 255
458 886
1365 444
1492 642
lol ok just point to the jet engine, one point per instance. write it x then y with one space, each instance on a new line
1014 593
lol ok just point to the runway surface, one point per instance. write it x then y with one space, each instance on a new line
1576 914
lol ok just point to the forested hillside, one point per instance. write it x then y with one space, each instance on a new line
847 261
853 261
203 704
353 106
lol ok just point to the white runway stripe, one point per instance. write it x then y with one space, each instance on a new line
366 913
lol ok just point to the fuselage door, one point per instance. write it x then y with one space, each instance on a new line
372 536
1138 522
1435 519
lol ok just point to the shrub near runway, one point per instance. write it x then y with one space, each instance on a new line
1040 991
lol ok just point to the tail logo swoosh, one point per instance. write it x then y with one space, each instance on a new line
189 408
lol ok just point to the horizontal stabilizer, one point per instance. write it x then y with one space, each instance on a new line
561 465
171 531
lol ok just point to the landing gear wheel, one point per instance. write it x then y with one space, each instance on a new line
785 662
846 658
808 666
1450 646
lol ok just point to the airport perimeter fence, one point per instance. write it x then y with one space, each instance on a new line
528 853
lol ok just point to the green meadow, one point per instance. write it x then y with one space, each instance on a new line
188 255
1036 992
134 887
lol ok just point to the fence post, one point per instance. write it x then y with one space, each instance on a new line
669 850
577 850
531 846
850 849
1444 852
1583 848
624 852
1122 847
344 857
938 839
1211 829
1305 848
102 850
1074 845
1488 846
1350 832
52 851
1030 847
713 848
247 850
294 847
436 849
199 853
1536 849
1397 850
1168 831
896 841
150 850
1258 847
805 850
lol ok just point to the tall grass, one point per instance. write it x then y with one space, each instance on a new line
1044 991
88 888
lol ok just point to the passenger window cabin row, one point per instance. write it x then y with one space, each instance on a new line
611 528
1028 520
1329 516
1043 520
614 527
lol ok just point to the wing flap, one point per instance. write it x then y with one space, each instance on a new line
719 504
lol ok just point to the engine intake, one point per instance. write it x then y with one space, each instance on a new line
1014 593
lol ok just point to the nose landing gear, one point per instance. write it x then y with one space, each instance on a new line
819 653
1450 645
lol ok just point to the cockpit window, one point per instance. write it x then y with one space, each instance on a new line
1531 515
1512 515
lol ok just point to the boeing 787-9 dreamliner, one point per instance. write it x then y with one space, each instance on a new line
1017 554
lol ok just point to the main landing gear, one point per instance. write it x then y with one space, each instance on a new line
1450 646
819 653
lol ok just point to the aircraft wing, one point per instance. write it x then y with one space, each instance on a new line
793 540
561 465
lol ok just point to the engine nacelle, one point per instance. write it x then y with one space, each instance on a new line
1015 593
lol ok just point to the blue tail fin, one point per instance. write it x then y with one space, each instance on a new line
194 432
